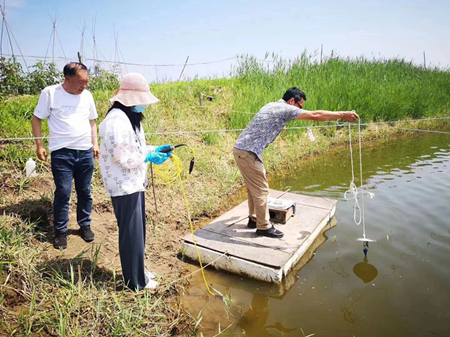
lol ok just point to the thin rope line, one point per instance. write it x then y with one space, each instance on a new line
351 151
244 112
169 65
407 121
361 177
136 64
158 133
421 130
238 130
371 123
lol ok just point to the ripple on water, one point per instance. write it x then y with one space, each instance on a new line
312 187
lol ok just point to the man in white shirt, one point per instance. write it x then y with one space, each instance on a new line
73 145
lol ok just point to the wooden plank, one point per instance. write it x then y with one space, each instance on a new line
296 231
235 246
235 265
239 214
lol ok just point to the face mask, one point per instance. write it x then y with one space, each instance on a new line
138 108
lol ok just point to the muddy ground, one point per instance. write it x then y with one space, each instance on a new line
32 201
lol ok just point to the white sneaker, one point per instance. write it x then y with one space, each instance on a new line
149 275
150 283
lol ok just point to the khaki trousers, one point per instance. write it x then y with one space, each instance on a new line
254 173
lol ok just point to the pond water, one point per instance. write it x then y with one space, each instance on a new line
402 288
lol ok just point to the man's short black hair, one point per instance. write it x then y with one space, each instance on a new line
72 68
295 93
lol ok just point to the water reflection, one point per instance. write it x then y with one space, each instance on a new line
365 271
254 321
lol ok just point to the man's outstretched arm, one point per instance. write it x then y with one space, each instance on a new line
323 115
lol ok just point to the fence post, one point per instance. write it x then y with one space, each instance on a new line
321 53
187 59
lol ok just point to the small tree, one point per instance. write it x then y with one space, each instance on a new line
43 75
103 80
12 77
13 80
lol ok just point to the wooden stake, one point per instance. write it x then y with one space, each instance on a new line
321 53
153 186
79 278
187 59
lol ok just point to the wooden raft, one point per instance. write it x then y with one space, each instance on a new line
261 258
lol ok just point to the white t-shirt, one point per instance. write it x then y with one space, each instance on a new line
68 116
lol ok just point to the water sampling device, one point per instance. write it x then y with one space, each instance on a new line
364 239
354 192
171 148
170 171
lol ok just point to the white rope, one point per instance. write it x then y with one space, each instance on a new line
135 64
238 130
34 138
152 133
244 112
407 121
358 211
371 123
421 130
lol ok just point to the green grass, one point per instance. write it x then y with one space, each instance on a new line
376 89
75 297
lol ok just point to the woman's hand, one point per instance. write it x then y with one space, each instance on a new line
157 157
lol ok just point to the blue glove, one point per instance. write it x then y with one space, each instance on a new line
162 147
157 157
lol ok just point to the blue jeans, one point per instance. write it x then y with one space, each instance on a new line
68 165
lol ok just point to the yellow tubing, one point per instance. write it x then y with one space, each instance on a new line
167 174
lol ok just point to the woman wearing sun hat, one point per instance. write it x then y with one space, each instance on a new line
124 158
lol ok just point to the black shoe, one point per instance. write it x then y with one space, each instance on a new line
251 223
86 233
60 241
272 232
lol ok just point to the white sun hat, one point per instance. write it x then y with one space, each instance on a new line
134 90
